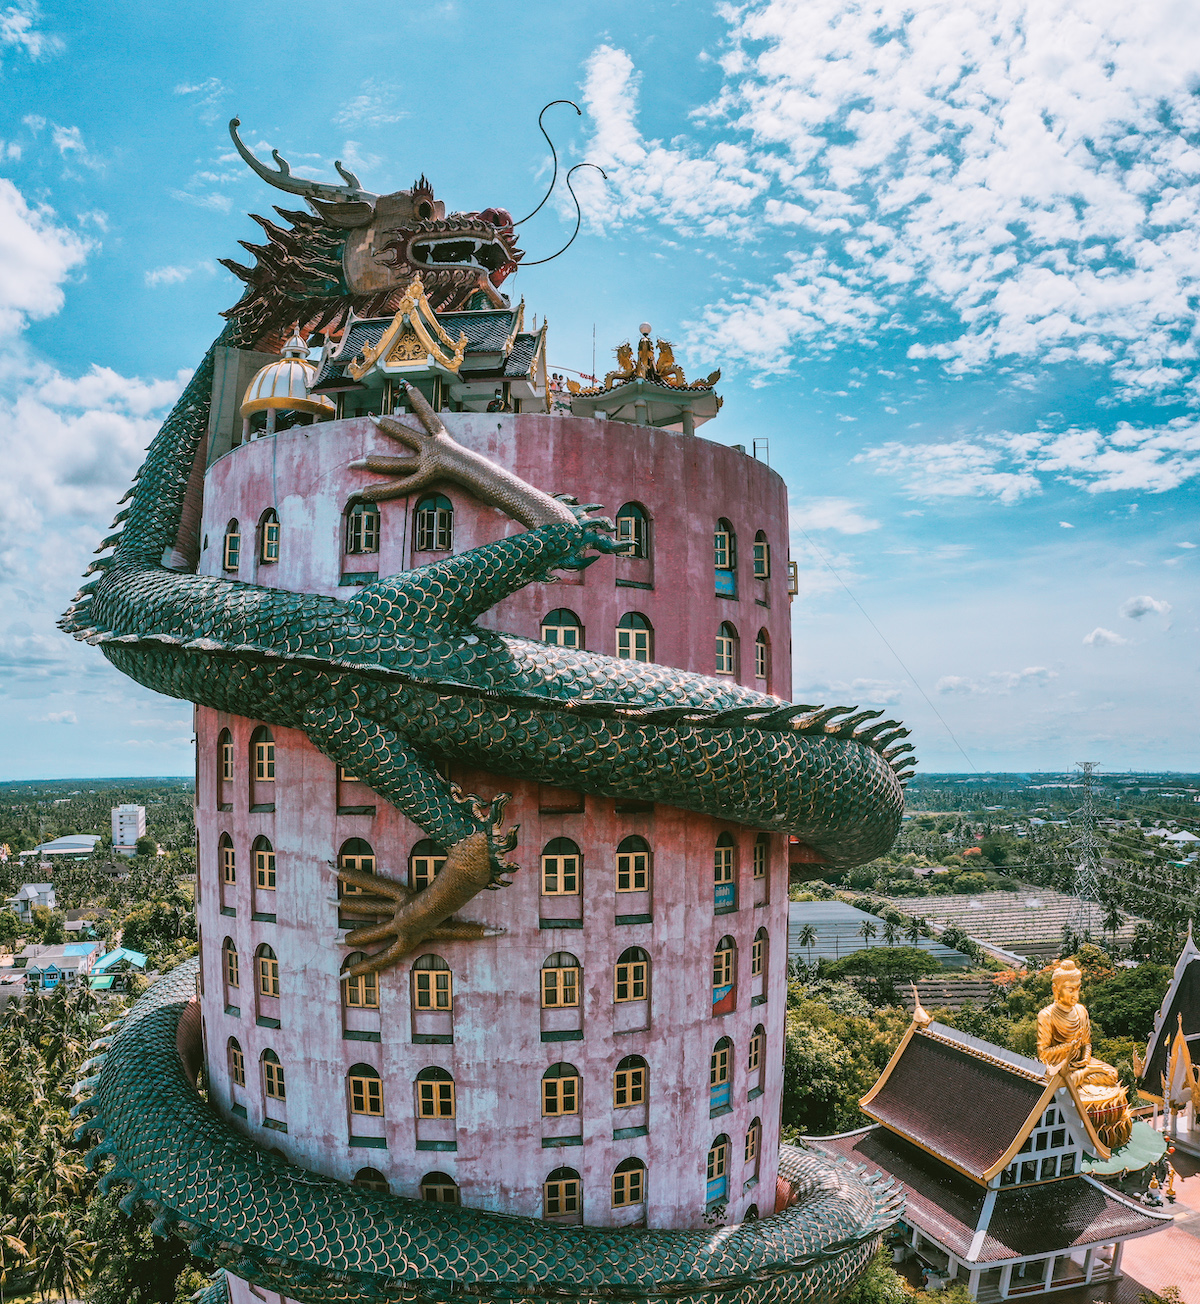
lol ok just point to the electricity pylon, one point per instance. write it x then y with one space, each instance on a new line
1087 872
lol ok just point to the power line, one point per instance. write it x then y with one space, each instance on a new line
891 649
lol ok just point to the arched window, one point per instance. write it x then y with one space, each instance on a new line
362 528
272 1071
262 755
371 1179
237 1063
724 873
633 530
435 1094
751 1214
726 654
630 1082
762 850
758 954
635 638
724 969
562 628
762 655
631 977
753 1144
754 1060
433 984
359 991
356 854
628 1183
560 1090
264 864
718 1170
724 546
719 1074
560 1193
762 557
560 981
268 536
225 756
561 861
228 860
434 524
366 1091
266 966
232 549
633 865
438 1188
229 958
425 862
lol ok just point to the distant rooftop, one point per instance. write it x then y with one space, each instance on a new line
838 925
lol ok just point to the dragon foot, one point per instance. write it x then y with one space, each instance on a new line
425 915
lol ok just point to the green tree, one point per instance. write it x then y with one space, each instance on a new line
867 931
10 928
146 846
1125 1004
808 939
12 1248
63 1254
887 966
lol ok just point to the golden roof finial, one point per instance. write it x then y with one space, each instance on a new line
921 1017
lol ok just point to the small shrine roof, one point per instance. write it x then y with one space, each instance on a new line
959 1098
524 350
1182 999
486 331
1025 1222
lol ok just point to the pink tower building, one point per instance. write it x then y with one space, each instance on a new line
612 1054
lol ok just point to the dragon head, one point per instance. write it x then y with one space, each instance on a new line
381 243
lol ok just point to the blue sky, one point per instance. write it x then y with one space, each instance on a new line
947 257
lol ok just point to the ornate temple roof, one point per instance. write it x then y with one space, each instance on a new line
967 1102
1022 1222
1180 1008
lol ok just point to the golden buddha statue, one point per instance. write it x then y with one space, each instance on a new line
1064 1038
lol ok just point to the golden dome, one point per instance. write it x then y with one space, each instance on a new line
283 385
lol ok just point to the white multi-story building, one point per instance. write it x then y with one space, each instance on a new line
128 824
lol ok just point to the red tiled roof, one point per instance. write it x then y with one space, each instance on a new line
940 1202
963 1107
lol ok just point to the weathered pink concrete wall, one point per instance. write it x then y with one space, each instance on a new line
497 1057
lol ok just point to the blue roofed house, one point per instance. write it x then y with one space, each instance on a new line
48 966
111 971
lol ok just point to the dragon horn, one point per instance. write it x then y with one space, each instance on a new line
281 178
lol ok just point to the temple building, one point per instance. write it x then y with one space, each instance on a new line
1167 1076
995 1151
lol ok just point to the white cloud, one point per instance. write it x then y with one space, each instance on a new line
59 717
1024 171
1066 525
1137 607
208 96
838 514
218 203
174 275
36 257
1100 637
1185 544
373 106
18 31
998 682
1009 467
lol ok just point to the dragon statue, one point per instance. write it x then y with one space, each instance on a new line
389 684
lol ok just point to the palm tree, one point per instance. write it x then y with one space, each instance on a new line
913 931
867 930
1113 919
11 1247
890 933
63 1254
808 938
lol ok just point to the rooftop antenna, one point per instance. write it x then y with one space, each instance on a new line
1087 872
